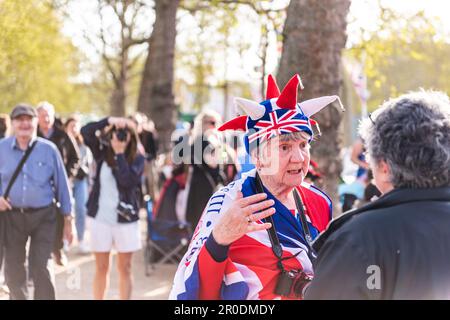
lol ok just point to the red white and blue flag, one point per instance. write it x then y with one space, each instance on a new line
281 121
279 114
250 270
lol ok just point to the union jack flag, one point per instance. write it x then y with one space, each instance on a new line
277 125
249 270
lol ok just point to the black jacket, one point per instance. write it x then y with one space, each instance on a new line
67 148
128 177
203 183
397 247
150 144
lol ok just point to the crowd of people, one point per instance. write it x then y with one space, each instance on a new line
53 172
95 162
263 228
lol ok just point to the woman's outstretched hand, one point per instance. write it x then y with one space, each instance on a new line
241 218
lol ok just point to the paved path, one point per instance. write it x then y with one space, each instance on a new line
75 281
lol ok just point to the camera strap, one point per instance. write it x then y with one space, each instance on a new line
274 241
305 228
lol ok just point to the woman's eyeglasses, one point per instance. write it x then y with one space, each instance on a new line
213 123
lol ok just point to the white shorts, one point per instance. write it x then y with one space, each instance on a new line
124 237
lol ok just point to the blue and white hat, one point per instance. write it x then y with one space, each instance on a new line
278 114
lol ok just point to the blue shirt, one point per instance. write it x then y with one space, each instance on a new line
42 178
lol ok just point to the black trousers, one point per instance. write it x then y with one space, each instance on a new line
39 226
59 235
2 237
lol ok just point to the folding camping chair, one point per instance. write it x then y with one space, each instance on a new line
167 238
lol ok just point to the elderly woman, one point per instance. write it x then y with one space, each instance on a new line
396 247
253 239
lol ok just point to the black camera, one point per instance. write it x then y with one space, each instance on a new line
292 284
126 211
105 137
121 134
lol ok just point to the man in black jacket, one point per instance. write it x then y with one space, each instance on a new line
71 158
398 246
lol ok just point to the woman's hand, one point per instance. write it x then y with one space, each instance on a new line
121 123
117 145
240 218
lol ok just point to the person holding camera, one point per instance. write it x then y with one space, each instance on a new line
113 203
80 185
253 240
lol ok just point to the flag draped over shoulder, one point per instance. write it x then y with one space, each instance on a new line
250 269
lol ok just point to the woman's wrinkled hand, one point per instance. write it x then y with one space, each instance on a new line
241 218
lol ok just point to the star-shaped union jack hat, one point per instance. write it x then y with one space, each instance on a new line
278 114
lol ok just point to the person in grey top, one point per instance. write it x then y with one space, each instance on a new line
29 209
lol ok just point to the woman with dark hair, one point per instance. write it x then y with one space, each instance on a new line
80 180
113 203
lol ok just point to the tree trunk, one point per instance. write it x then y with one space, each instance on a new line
156 97
119 94
117 100
313 38
264 45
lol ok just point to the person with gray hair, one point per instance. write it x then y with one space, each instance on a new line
70 155
397 246
32 180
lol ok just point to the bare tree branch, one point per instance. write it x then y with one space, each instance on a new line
106 59
133 61
133 42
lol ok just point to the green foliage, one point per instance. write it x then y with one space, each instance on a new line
202 50
215 44
404 53
36 61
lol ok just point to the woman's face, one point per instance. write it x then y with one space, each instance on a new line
73 128
286 162
209 124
